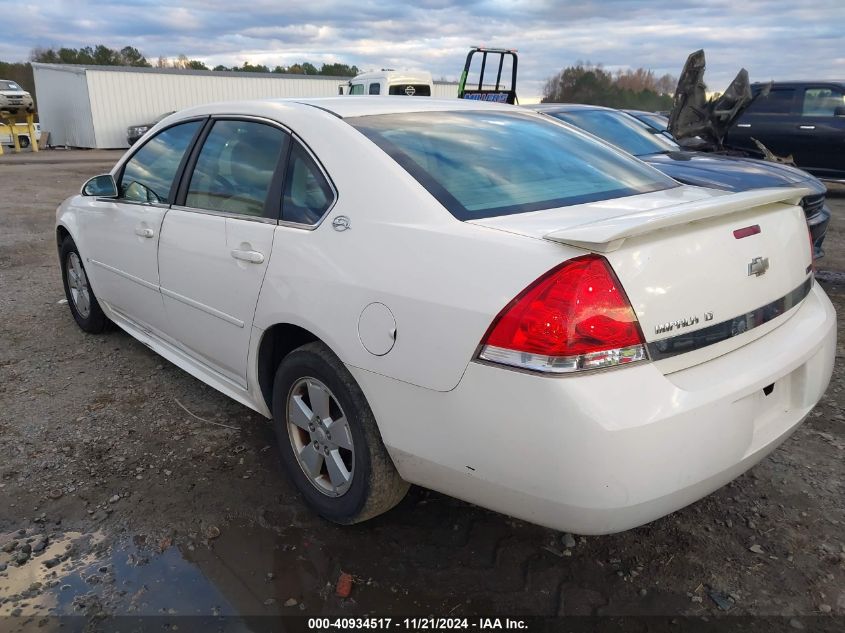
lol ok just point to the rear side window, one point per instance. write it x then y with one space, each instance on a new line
375 89
778 101
411 90
821 101
235 167
481 164
148 175
308 195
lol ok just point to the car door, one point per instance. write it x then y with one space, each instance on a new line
771 120
121 235
820 135
216 241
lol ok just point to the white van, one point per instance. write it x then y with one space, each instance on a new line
411 83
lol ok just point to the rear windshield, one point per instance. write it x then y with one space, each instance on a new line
482 164
411 90
621 129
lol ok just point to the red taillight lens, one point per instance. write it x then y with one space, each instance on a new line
574 317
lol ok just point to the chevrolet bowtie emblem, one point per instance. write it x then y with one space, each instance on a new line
758 266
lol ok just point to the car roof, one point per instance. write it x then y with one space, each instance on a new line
801 82
566 107
398 75
346 106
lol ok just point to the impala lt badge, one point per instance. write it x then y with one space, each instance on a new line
681 323
758 266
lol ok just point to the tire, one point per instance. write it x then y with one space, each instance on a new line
374 486
23 141
88 314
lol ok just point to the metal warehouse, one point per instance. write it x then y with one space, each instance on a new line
91 106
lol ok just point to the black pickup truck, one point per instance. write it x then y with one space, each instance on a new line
802 119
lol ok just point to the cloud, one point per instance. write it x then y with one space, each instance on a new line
773 39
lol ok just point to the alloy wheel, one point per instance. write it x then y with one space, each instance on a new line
320 436
77 282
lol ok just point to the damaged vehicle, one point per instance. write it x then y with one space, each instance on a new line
801 123
703 169
409 309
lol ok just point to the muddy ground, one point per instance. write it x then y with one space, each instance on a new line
114 500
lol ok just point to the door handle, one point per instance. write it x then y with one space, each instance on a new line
743 125
806 127
140 231
253 257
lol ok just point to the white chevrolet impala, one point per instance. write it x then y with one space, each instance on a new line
464 296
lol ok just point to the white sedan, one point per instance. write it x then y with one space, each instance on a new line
469 297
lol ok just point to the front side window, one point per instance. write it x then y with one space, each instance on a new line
148 175
375 89
619 129
356 89
822 101
308 194
778 101
481 164
235 167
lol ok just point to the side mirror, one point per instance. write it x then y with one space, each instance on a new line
100 186
839 111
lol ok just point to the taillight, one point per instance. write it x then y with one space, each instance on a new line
575 317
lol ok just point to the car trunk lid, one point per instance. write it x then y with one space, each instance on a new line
706 272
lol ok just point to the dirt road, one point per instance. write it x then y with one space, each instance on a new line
115 500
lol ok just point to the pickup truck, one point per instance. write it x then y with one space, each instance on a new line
22 133
802 119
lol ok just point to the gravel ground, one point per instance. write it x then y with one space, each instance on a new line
115 500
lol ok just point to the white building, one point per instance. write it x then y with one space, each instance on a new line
91 106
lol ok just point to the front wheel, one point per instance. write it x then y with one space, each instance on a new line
80 297
23 141
330 444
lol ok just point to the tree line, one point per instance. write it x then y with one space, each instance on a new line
591 84
101 55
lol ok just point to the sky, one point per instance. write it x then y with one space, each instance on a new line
772 39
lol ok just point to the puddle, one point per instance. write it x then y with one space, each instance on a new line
246 570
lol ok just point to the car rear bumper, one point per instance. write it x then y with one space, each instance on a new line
607 451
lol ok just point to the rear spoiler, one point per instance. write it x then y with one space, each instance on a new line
608 234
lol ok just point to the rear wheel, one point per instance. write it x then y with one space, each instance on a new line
23 141
329 441
80 297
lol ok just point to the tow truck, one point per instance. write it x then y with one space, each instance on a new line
499 91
